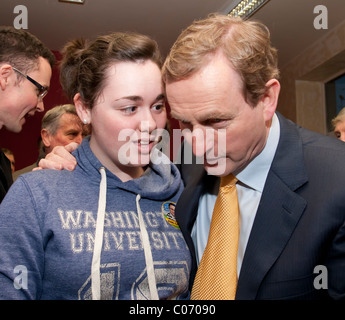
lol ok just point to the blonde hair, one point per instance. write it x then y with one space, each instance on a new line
245 43
51 119
339 118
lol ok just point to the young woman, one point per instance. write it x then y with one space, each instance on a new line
101 231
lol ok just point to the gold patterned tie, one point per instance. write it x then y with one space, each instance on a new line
216 278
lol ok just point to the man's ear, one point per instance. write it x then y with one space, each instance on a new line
45 135
270 98
5 71
82 111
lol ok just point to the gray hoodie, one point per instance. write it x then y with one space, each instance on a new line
86 234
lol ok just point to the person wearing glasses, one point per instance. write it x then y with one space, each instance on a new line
99 232
25 72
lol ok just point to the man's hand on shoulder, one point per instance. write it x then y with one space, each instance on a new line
60 158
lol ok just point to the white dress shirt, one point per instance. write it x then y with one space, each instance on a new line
250 185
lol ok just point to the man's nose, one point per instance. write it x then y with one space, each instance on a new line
198 141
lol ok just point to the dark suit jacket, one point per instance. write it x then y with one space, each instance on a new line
299 224
5 175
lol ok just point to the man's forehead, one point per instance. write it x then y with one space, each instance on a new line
70 119
197 114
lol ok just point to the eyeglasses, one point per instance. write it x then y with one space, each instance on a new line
42 91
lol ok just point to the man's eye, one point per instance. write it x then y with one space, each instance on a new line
211 122
184 124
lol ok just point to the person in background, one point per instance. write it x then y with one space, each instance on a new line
99 232
60 126
25 72
10 156
339 125
41 155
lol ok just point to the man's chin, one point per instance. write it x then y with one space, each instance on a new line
16 128
217 168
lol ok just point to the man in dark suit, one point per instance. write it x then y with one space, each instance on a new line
221 75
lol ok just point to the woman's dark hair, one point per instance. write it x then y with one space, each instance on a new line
84 63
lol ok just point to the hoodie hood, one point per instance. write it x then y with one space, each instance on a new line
160 181
84 234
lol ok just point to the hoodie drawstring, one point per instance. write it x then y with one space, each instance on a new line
148 254
96 258
97 250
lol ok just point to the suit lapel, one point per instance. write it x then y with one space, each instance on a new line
276 219
187 206
278 213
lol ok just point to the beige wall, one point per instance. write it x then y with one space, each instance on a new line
302 97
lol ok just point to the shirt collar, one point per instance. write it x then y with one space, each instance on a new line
255 173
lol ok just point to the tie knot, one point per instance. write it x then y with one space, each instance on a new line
228 181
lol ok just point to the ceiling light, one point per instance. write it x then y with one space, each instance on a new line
246 8
73 1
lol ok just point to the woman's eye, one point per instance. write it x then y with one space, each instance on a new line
158 107
129 110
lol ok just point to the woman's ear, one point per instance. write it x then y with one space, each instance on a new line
82 111
270 98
